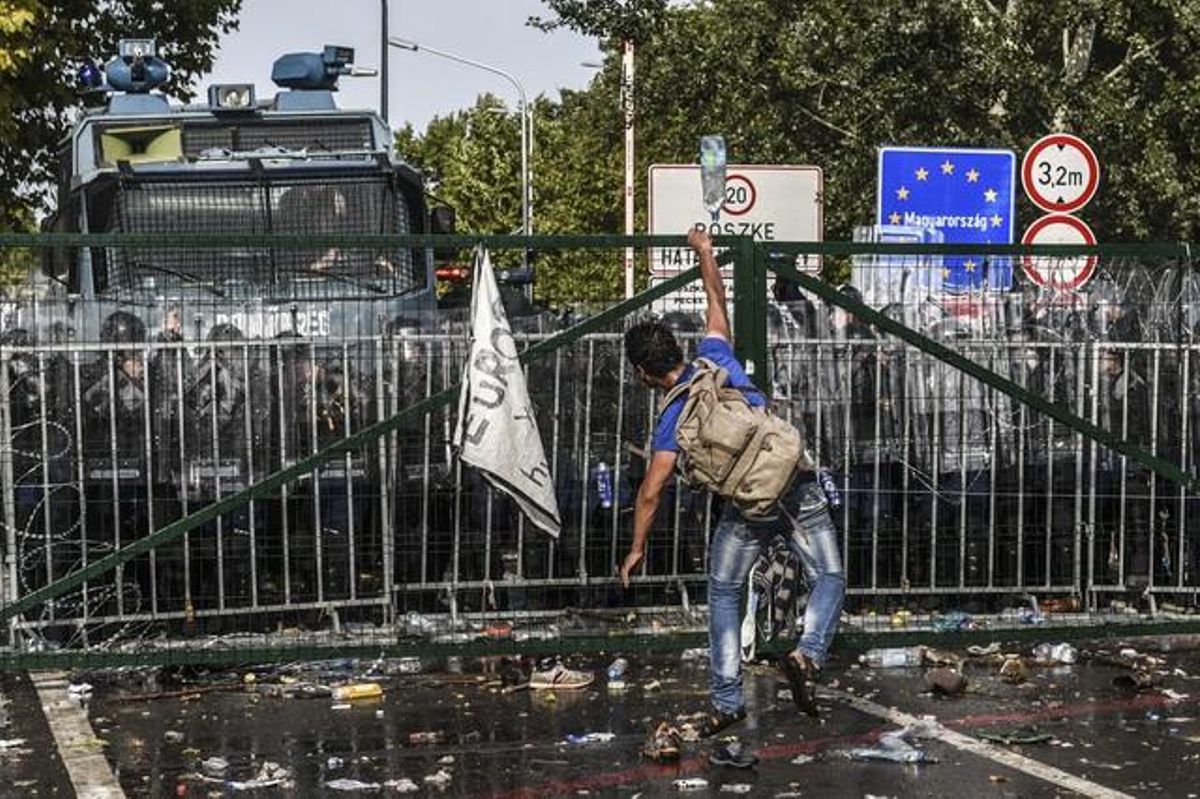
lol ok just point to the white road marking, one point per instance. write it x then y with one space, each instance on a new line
77 744
966 743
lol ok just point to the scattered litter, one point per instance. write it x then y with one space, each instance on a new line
893 746
892 657
362 690
408 666
428 737
616 671
215 766
441 778
560 677
694 655
11 743
945 682
910 755
653 685
802 760
1014 670
173 736
953 621
941 657
80 691
997 778
733 754
1015 735
402 785
691 784
446 760
1174 696
590 738
617 685
1029 616
1135 681
269 776
662 744
736 787
983 651
347 784
334 763
1047 654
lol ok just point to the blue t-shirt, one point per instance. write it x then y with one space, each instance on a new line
720 352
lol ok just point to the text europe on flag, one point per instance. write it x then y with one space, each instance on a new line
496 431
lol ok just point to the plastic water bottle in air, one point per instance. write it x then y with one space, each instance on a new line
617 669
892 657
604 484
712 173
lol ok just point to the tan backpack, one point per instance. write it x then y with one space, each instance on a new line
740 452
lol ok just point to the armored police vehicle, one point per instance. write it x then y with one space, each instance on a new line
294 164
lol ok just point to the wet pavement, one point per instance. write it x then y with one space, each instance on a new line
491 743
29 761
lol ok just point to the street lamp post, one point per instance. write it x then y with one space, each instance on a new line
526 122
383 59
627 119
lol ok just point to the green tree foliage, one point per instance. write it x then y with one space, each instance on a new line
827 82
42 44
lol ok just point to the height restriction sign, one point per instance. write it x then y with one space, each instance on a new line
1060 173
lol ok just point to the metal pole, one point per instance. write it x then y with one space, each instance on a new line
526 113
627 109
383 59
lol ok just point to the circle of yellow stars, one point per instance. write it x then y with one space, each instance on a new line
947 167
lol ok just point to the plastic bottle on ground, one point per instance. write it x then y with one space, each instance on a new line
617 669
892 657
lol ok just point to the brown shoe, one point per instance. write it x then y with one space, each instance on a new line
801 673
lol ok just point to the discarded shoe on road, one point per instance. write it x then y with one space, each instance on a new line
733 754
560 678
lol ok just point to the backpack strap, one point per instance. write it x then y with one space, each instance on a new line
682 388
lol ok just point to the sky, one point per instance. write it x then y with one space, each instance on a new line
421 85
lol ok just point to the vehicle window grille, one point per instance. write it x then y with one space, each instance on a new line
299 206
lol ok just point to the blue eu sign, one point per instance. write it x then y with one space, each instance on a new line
966 195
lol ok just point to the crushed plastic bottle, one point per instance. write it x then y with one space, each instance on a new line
892 657
1048 654
910 755
691 784
420 738
617 669
347 785
591 738
712 174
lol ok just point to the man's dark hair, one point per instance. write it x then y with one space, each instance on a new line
652 346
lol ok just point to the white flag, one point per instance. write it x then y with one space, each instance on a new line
497 431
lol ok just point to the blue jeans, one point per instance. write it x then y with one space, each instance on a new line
735 547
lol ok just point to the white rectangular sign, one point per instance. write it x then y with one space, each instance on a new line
765 201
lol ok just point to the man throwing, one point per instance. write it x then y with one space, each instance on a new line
737 541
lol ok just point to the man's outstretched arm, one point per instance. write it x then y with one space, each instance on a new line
716 317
